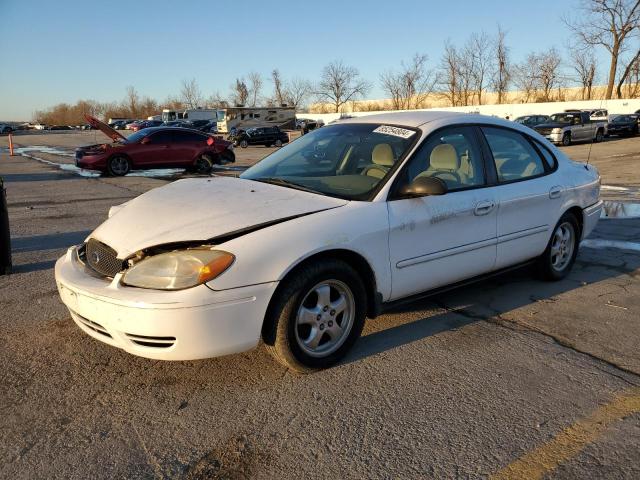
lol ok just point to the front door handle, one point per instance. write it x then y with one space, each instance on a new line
555 191
484 207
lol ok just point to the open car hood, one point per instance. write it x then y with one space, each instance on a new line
201 209
104 128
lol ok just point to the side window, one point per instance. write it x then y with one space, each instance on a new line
514 156
187 137
548 157
452 155
161 137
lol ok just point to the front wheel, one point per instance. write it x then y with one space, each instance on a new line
118 166
566 139
316 317
244 144
278 143
558 258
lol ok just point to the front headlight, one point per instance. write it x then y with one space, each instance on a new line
178 270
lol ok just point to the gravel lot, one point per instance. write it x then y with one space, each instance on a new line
509 377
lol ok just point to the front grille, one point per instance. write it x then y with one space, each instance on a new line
96 327
154 342
544 131
103 259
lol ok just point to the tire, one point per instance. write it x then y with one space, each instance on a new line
243 144
566 139
118 166
599 135
558 258
5 237
278 143
227 156
203 164
302 331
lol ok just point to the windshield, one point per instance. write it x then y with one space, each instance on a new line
564 117
522 119
343 160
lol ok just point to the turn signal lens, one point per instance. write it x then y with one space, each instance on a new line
178 270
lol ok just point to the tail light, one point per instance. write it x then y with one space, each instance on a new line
210 141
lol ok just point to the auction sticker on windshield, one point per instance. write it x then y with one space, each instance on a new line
395 131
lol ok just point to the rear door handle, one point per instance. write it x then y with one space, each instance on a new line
484 207
555 191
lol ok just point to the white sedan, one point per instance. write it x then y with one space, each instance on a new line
327 231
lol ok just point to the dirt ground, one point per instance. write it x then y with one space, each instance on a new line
507 378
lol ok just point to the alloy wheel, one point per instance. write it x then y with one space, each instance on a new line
325 318
562 246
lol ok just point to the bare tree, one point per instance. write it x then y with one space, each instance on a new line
633 79
549 74
297 92
190 93
630 65
216 101
132 100
255 87
526 77
339 84
278 88
449 78
478 54
501 77
410 87
609 24
584 65
240 93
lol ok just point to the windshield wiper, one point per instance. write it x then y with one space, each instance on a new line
286 183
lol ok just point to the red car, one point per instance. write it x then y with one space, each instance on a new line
156 147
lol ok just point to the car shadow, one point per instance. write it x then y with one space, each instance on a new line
53 241
36 177
479 301
33 267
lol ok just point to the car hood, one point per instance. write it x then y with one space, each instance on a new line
104 128
202 209
552 125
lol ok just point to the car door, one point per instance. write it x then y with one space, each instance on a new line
156 151
529 195
437 240
186 145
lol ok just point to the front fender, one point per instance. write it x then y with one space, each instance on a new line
268 254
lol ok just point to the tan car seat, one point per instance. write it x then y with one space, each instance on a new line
444 164
381 161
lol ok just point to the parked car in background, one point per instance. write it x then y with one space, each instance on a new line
531 120
598 115
623 125
153 147
4 128
119 124
572 126
60 127
314 238
266 136
145 124
5 237
178 124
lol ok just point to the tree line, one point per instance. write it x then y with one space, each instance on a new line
477 71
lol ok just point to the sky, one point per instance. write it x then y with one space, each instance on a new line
63 51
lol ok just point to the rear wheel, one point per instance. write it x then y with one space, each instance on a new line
243 144
118 166
227 156
317 316
566 139
203 164
599 135
558 258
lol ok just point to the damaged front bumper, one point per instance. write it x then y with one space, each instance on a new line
186 324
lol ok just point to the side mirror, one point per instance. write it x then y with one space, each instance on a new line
423 187
145 140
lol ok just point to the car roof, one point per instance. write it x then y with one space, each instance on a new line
173 129
419 118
